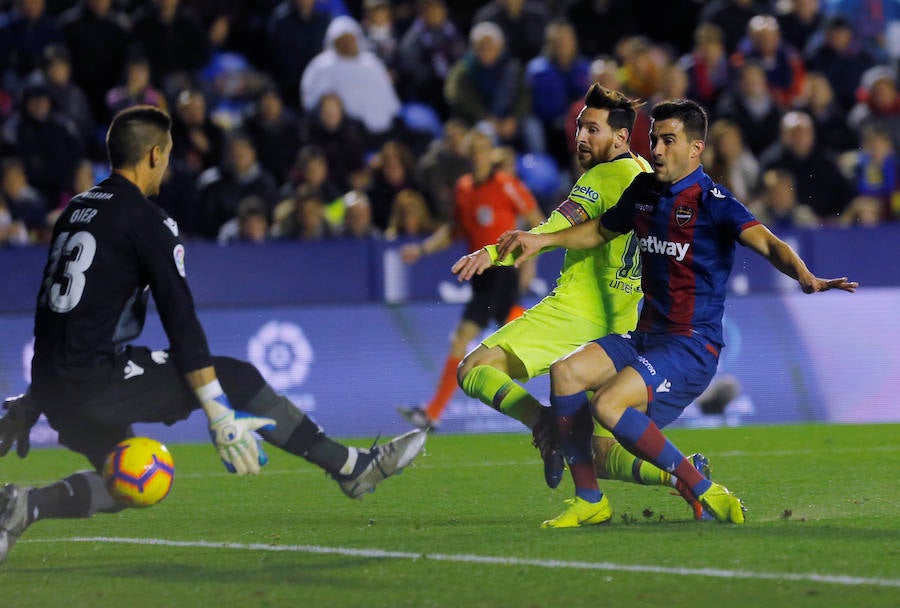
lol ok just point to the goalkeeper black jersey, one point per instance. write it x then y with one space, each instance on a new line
111 248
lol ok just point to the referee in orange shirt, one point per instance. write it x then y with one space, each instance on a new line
488 202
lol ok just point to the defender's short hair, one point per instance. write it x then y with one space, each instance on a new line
133 132
622 109
689 112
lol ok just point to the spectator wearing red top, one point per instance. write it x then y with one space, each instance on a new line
785 72
707 65
879 103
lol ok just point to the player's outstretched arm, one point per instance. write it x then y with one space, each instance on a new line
527 244
439 239
477 262
471 264
231 431
785 259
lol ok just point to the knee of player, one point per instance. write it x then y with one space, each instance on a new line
462 370
606 410
563 377
466 372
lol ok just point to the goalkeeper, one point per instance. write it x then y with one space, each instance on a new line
597 293
111 247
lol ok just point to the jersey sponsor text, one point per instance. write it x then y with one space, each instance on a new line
652 244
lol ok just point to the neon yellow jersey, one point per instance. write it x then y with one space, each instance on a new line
601 284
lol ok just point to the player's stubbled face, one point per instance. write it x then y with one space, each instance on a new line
593 137
670 149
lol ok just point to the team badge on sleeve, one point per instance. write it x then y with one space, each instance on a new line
178 255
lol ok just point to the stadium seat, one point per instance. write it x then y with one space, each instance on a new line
540 174
224 63
420 116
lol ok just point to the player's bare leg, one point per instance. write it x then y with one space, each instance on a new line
620 406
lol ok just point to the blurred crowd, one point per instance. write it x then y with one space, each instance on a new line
315 119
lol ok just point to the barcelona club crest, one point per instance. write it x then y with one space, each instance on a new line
683 215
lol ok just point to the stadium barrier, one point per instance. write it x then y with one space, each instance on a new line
349 341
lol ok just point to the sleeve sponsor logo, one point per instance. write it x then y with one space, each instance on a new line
172 225
95 195
585 192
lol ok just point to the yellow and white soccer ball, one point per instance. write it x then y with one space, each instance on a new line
139 472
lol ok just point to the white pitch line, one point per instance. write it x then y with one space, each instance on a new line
832 579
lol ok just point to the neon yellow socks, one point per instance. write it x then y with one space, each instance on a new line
496 389
625 466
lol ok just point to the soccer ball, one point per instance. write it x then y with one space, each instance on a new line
139 472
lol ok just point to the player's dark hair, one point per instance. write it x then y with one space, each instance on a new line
690 113
622 109
133 132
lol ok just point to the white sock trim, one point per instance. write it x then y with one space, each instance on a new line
352 456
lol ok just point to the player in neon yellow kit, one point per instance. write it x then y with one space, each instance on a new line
597 293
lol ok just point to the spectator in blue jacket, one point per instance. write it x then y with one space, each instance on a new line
557 77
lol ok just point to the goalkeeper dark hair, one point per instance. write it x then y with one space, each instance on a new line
622 109
133 132
690 113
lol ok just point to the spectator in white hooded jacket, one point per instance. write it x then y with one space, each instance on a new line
347 68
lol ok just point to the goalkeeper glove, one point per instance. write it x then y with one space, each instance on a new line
15 426
231 432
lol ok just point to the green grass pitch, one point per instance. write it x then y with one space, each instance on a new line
461 527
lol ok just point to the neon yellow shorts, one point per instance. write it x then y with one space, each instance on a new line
542 335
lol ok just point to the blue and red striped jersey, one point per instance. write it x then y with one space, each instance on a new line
686 232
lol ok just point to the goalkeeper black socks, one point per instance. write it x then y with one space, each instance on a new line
79 495
311 443
297 433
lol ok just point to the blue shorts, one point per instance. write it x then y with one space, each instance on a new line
676 369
